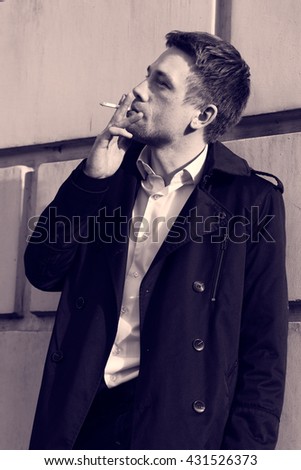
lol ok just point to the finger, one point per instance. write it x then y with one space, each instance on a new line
124 105
120 132
120 113
134 117
118 128
122 143
122 99
126 121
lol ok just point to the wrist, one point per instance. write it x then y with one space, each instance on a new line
88 183
92 171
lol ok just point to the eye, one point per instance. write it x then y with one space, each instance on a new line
162 83
158 79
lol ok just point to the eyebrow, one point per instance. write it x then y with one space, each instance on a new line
162 74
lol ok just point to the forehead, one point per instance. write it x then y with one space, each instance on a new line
174 63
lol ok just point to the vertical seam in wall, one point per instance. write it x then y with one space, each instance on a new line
223 14
213 19
20 278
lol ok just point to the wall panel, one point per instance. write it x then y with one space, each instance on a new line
280 155
22 360
290 429
12 213
267 33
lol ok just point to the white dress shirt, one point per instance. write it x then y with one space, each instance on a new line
155 205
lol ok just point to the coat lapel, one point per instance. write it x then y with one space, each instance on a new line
200 216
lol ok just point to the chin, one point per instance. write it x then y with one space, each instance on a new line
138 136
140 140
141 135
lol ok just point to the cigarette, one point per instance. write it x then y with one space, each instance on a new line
109 105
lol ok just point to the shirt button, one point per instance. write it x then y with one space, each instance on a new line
156 196
198 406
198 286
222 216
113 378
198 344
134 274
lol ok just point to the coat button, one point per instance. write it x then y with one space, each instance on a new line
198 344
80 302
198 406
221 215
198 286
57 356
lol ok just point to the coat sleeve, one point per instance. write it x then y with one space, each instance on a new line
255 414
55 239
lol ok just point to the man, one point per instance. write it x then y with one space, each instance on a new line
171 329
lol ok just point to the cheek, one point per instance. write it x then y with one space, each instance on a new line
168 114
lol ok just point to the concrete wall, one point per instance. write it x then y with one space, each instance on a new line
61 57
58 59
268 36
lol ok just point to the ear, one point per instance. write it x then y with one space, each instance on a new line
204 117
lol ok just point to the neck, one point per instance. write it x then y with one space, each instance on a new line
167 160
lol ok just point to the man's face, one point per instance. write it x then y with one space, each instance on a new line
160 97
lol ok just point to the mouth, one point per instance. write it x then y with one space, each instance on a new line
133 109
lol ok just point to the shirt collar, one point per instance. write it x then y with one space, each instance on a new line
190 173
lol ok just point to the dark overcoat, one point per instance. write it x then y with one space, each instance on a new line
213 309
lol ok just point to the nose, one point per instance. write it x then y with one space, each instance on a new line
141 91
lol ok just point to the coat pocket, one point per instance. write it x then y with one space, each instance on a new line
218 268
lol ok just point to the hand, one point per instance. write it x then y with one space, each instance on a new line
110 146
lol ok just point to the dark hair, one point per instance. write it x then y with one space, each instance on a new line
220 77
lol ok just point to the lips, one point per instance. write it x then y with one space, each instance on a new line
133 110
134 106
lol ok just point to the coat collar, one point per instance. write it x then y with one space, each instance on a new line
219 159
222 159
